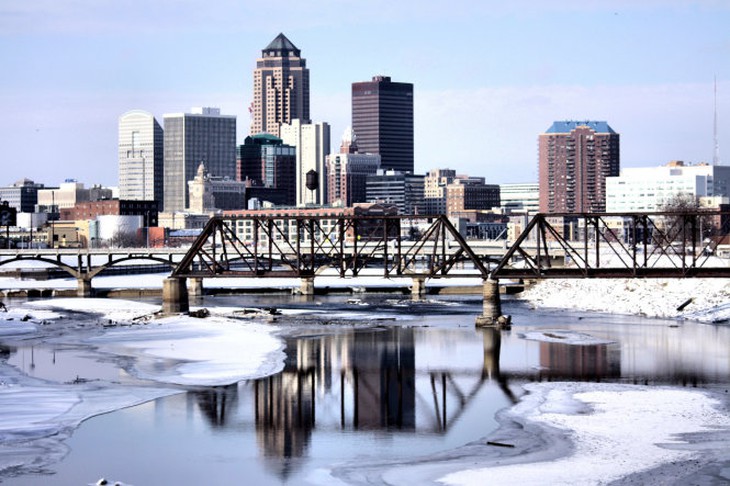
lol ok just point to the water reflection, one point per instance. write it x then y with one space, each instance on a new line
580 363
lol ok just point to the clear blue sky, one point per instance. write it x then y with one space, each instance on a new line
489 76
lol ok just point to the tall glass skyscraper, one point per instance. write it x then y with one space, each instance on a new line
382 118
280 87
140 157
191 138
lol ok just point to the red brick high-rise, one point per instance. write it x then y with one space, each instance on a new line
575 159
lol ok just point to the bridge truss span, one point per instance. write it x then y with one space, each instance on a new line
619 245
305 246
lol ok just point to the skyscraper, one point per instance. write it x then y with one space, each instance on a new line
382 117
140 157
191 138
575 159
280 87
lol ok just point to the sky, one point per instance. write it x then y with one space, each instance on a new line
489 76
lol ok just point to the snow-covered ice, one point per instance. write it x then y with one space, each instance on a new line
614 430
36 415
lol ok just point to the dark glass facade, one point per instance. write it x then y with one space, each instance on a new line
269 163
382 119
190 139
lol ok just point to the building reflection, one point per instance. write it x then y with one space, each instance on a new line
215 403
580 363
383 369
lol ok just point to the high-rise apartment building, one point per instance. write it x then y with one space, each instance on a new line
347 172
140 157
280 87
189 139
312 142
382 117
575 159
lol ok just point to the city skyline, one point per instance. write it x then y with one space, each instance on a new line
493 74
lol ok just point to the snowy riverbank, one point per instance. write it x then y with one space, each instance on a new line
705 300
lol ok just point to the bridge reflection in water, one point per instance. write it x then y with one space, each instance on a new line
375 381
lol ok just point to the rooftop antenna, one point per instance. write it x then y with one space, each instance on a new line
716 154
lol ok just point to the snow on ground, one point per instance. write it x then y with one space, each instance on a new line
628 430
710 298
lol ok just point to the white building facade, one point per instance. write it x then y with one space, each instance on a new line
140 157
648 189
312 142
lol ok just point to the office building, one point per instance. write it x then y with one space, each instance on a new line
140 157
189 139
649 189
312 142
466 193
575 158
280 87
269 167
347 172
22 195
69 194
405 191
382 117
522 198
91 210
434 190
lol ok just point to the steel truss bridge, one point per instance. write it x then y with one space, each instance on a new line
571 245
304 247
619 245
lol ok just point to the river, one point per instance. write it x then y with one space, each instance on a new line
363 379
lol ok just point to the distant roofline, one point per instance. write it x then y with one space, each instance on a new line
567 126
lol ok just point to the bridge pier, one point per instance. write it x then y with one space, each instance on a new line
83 287
418 289
492 306
174 296
306 286
195 287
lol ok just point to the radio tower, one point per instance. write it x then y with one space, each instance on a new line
716 153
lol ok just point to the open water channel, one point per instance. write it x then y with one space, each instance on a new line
418 379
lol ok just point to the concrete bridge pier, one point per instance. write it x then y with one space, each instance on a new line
83 287
492 306
195 287
306 286
418 289
175 296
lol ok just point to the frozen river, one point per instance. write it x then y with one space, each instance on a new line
327 392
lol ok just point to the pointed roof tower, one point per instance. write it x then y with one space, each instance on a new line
280 47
